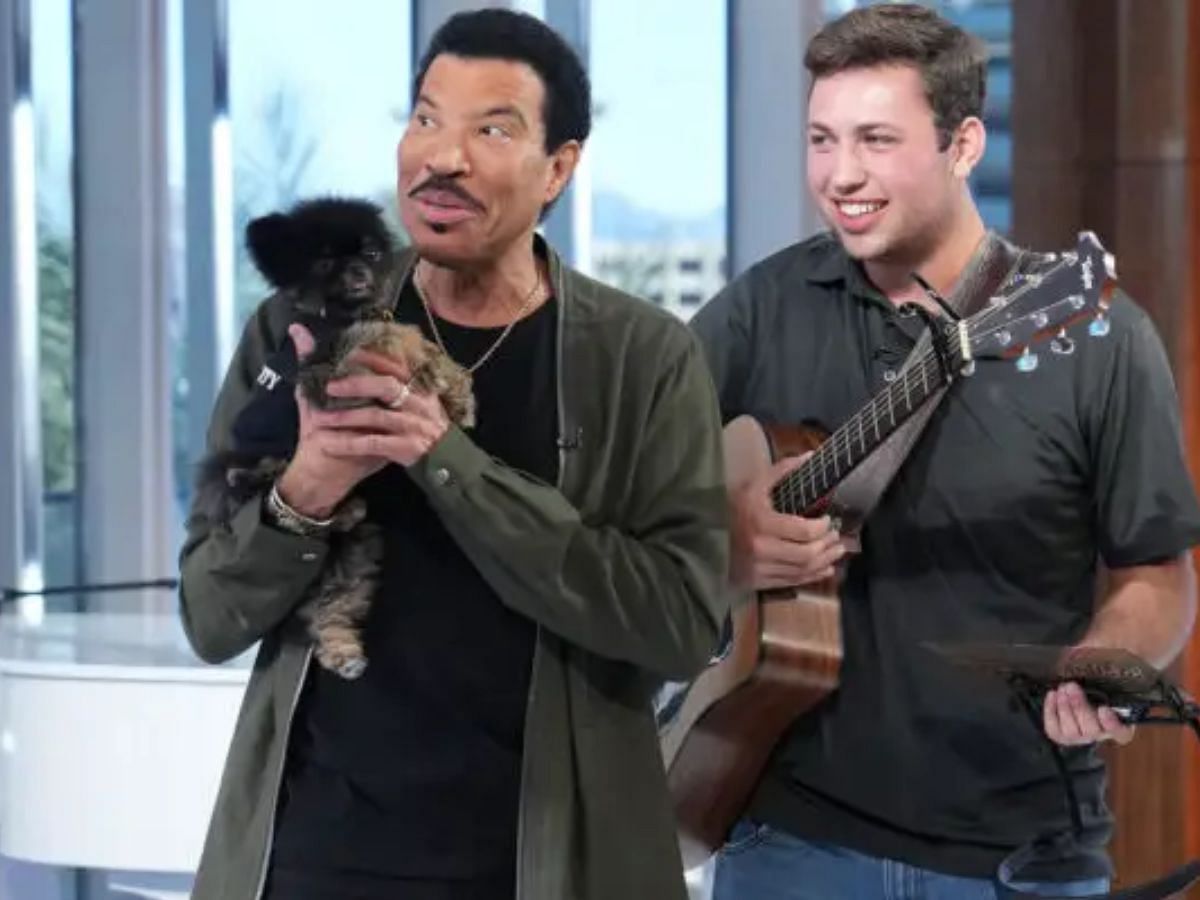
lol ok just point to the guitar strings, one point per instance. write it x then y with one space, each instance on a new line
801 484
792 488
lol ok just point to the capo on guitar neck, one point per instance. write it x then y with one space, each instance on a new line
951 344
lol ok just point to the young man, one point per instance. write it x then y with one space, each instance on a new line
543 573
915 780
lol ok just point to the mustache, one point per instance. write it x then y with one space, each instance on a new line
449 185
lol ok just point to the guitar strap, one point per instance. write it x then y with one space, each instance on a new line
994 262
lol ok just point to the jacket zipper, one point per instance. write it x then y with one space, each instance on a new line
537 646
287 737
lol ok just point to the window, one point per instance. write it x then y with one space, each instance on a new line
317 101
318 97
991 182
51 55
658 149
181 449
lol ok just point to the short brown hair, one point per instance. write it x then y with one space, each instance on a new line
952 63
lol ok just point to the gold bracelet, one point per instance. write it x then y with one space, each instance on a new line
291 520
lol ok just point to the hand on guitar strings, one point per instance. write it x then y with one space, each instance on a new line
774 550
1071 720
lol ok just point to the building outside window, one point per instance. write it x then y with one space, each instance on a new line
658 149
51 59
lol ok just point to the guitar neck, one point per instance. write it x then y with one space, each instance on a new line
804 489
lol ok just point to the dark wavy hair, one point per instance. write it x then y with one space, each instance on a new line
519 37
952 63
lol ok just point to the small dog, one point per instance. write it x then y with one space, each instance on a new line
332 259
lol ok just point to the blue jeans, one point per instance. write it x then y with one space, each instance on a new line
761 863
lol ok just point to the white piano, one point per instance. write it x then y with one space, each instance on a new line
112 739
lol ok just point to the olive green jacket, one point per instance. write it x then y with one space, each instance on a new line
621 566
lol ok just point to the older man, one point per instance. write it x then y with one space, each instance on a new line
542 575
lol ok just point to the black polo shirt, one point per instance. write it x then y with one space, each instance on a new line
991 531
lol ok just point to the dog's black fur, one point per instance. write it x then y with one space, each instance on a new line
331 258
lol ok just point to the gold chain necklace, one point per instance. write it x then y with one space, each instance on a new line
487 354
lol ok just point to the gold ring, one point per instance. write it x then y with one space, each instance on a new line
398 400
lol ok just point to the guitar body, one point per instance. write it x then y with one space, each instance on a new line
783 659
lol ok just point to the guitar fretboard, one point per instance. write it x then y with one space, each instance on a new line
800 491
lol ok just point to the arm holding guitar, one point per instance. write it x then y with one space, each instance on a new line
1148 610
771 549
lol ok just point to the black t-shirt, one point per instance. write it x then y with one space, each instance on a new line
411 774
991 531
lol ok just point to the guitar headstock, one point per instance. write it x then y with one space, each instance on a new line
1042 302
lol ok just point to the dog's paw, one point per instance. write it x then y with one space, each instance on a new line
352 668
347 662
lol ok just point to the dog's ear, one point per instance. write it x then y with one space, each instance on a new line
274 245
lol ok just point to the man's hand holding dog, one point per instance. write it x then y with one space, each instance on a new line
339 448
318 479
400 427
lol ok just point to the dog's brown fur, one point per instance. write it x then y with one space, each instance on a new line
432 371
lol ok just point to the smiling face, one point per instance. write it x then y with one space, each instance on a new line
473 170
874 165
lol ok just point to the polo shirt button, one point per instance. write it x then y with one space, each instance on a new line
889 375
308 556
441 476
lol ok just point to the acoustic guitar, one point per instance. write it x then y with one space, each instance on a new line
785 647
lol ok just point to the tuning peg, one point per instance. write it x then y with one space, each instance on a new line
1062 344
1100 326
1027 361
